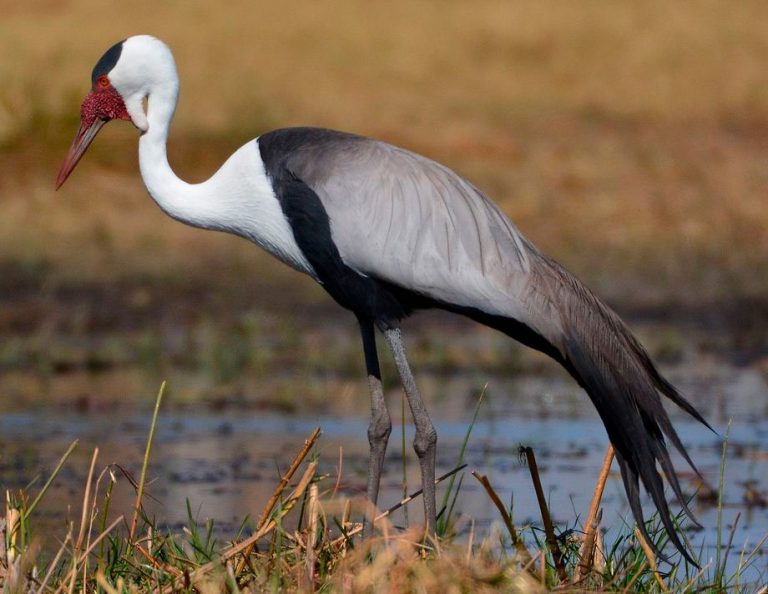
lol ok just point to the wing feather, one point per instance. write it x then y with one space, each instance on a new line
412 222
405 219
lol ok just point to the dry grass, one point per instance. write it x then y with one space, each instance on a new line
628 140
305 541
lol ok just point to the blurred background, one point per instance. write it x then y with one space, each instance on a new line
627 140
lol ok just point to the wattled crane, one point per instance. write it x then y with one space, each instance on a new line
387 232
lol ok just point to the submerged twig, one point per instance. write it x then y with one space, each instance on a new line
308 444
398 505
549 530
516 540
587 549
248 543
312 524
651 557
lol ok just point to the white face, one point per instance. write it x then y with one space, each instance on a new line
145 64
128 73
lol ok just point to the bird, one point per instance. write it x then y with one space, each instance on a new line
387 233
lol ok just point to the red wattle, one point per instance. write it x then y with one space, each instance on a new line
104 104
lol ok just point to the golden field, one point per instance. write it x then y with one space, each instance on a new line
627 140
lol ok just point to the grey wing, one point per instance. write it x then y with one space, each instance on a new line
412 222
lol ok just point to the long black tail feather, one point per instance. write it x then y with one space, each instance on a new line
638 441
600 352
625 387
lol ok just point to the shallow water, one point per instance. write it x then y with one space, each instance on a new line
227 464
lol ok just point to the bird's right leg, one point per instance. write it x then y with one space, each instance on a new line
381 425
425 441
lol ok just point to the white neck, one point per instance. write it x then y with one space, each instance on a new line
146 71
181 200
237 199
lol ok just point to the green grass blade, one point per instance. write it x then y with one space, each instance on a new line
443 522
26 513
719 560
145 465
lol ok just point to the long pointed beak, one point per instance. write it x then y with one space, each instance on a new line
83 139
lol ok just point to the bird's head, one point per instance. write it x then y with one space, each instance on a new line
121 80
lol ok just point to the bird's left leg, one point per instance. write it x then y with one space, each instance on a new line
425 442
381 424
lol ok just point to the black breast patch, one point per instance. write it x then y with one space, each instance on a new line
367 297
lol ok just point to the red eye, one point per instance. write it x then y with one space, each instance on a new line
102 81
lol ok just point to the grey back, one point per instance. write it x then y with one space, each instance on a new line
408 220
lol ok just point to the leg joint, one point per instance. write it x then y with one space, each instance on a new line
425 441
379 428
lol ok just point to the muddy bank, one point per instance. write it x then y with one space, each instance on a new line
30 297
281 344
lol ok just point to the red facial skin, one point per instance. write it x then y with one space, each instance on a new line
101 105
103 102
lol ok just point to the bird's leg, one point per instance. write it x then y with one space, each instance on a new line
381 425
425 442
